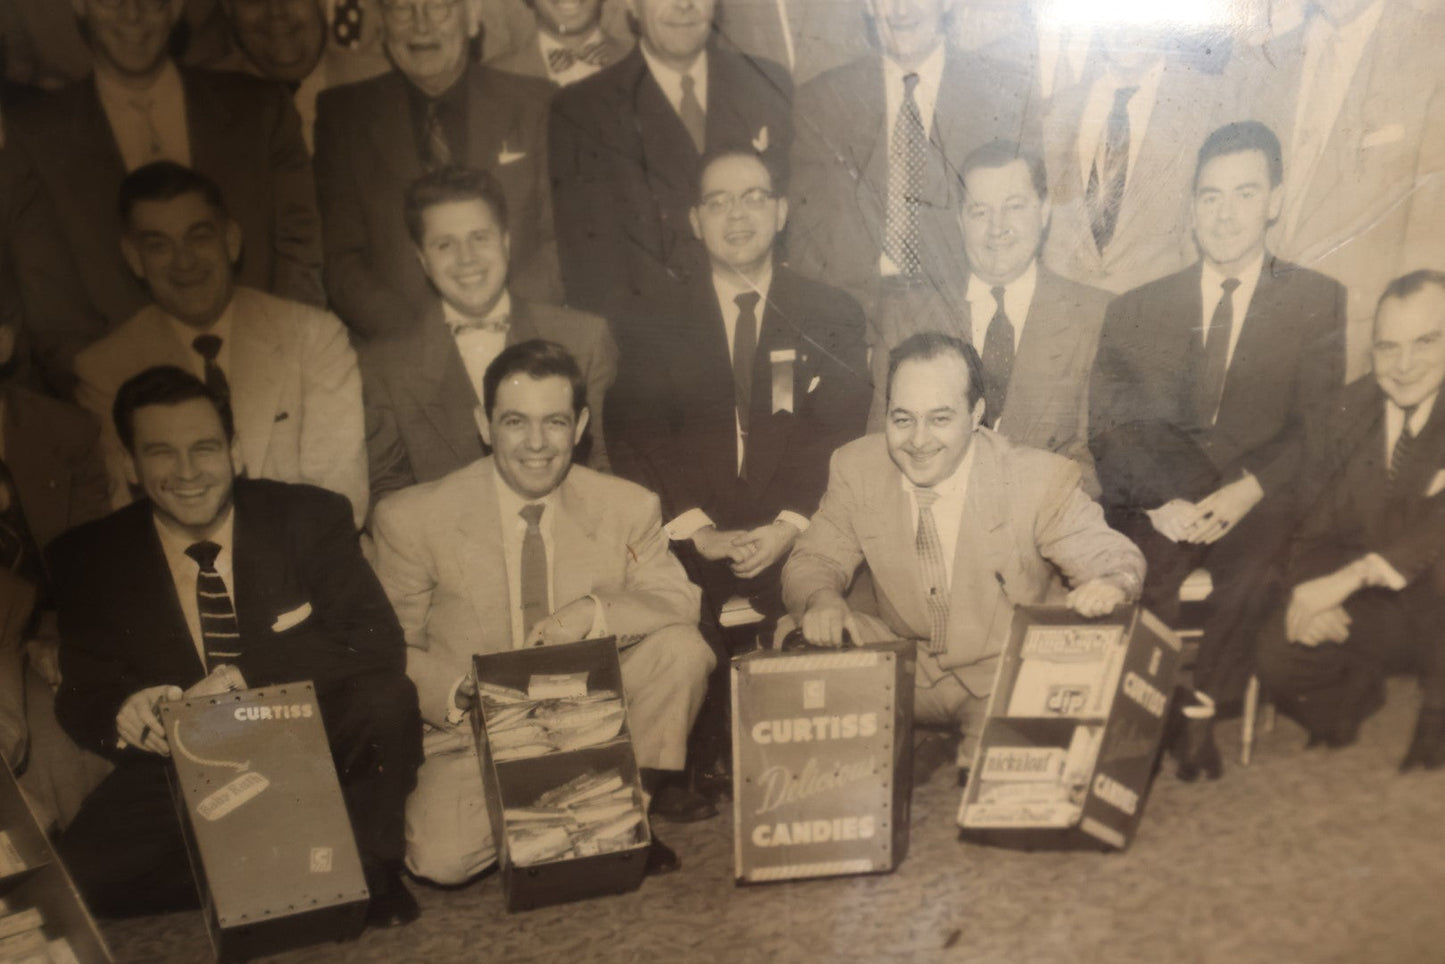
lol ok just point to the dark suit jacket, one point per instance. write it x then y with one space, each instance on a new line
840 169
366 157
244 135
420 400
1288 363
1349 507
625 174
121 623
677 405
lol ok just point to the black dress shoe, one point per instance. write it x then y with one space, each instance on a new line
392 905
1197 752
661 859
1427 746
715 782
677 804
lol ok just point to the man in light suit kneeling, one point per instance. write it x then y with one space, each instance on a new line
451 553
958 526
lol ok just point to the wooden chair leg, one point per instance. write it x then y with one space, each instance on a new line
1251 710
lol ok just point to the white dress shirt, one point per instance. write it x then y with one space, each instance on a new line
222 328
131 125
185 571
1094 122
1018 296
479 347
1395 422
947 511
580 69
925 95
670 80
1211 288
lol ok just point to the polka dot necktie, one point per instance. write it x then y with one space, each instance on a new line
905 183
347 23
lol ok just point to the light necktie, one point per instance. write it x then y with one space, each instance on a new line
561 59
220 632
998 358
745 348
145 106
1105 191
208 347
439 152
534 568
1404 445
905 183
933 570
1209 383
346 24
694 118
484 324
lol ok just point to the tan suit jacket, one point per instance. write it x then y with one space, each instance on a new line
295 391
440 559
1027 530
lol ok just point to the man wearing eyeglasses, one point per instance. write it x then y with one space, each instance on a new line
437 109
139 106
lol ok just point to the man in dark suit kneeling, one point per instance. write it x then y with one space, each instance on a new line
153 598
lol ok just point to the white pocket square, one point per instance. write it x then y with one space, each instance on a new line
1437 484
760 142
291 619
510 157
814 383
1381 136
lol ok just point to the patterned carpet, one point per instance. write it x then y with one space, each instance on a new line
1325 856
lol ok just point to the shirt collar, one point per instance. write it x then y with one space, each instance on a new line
930 79
165 84
510 504
500 314
175 542
730 284
670 78
1018 294
1211 279
1418 418
221 327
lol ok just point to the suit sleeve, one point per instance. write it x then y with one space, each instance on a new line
1070 532
829 553
407 572
656 590
601 373
295 220
367 305
388 463
333 432
95 394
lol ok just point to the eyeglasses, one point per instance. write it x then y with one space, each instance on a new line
409 13
146 6
754 199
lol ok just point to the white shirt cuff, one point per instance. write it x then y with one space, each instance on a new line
455 715
799 522
599 619
686 525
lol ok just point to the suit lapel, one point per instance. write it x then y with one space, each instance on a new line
982 544
887 531
523 324
393 143
1043 354
170 636
574 545
257 371
478 551
487 128
769 432
442 388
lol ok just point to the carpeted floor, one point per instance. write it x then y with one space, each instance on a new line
1325 856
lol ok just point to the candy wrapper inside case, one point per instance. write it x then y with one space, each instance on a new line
523 724
593 813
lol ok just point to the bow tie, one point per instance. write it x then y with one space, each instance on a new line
561 59
496 324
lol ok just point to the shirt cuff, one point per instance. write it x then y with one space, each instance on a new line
686 525
599 618
1379 572
455 715
799 522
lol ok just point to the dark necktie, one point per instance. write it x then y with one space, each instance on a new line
1209 382
439 152
1404 445
1105 191
346 24
18 551
935 574
905 183
208 347
745 347
694 118
220 632
534 568
998 358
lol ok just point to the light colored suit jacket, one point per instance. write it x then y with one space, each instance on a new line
1027 529
295 391
440 559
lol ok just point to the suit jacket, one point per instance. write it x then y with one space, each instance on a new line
439 555
1151 238
366 158
675 407
1351 509
421 403
1373 207
526 58
295 391
122 628
822 34
840 171
1288 363
244 135
1026 524
625 174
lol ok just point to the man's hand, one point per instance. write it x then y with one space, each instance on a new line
44 658
1173 519
714 544
138 725
567 625
1097 597
1330 626
1221 510
764 546
1314 598
465 695
826 618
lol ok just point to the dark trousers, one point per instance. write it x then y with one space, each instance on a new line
125 849
1389 633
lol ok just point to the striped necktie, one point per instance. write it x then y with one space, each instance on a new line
935 574
220 632
1404 445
